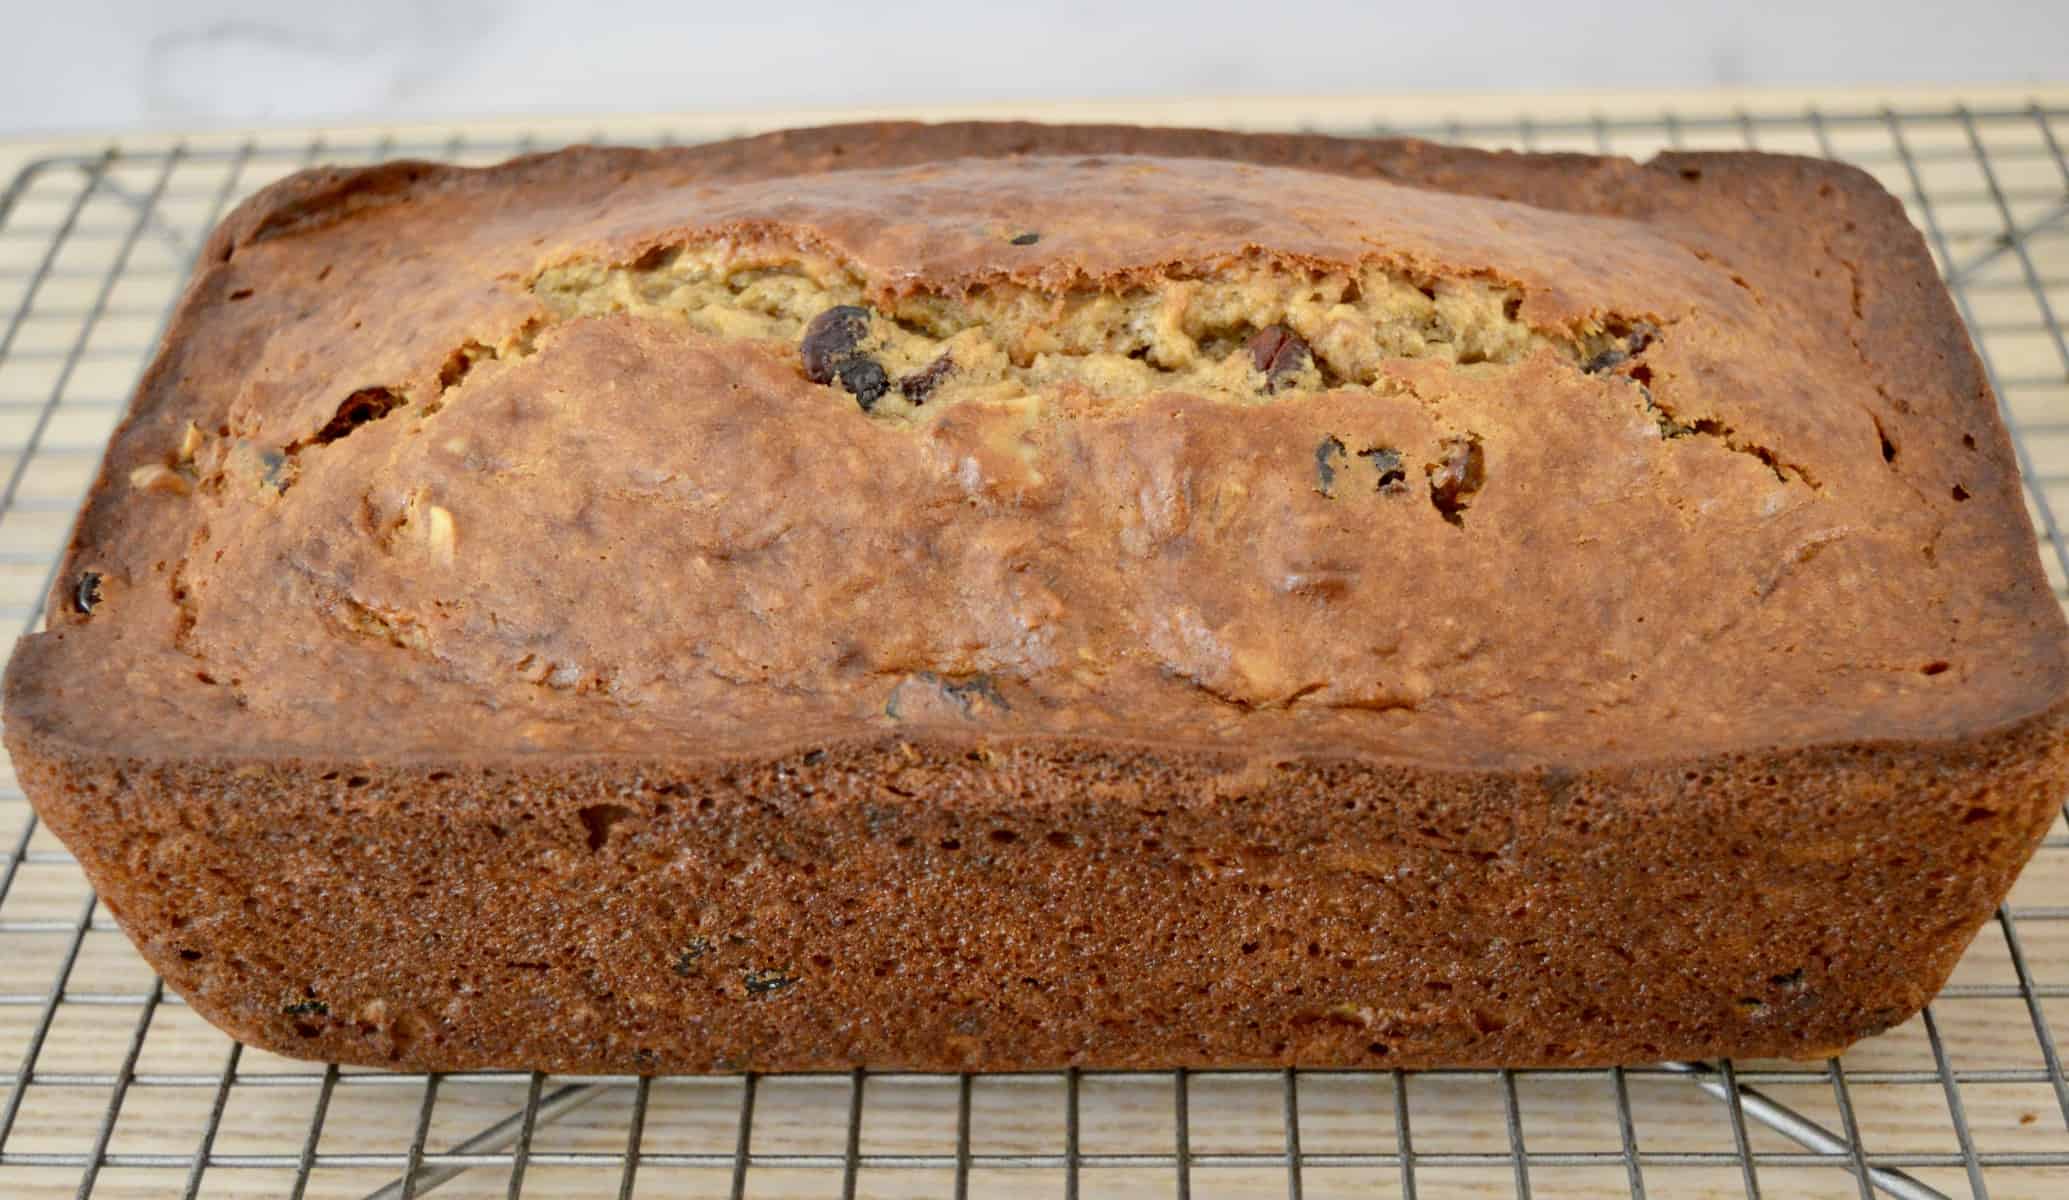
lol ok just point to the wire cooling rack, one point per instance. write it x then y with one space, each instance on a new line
118 1089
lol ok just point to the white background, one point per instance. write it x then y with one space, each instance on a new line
79 65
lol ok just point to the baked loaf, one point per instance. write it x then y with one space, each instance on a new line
999 596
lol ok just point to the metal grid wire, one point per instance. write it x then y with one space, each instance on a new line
119 1090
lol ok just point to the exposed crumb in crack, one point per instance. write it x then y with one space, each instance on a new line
1250 332
1247 332
1243 332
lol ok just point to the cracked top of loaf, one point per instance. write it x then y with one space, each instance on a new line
1288 444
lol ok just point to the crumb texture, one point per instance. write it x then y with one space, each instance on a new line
1168 332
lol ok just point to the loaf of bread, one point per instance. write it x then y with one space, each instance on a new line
998 596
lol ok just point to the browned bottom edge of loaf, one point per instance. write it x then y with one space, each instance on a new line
936 903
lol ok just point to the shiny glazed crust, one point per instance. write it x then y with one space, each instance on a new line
434 681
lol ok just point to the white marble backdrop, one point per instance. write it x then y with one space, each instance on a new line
83 65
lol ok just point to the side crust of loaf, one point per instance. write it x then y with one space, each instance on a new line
953 904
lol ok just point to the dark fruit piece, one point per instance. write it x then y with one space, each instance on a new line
919 385
1458 475
1612 357
1393 477
686 958
865 381
833 338
87 592
1328 456
1641 335
1277 352
763 983
832 349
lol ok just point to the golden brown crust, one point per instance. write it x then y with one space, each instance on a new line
677 601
